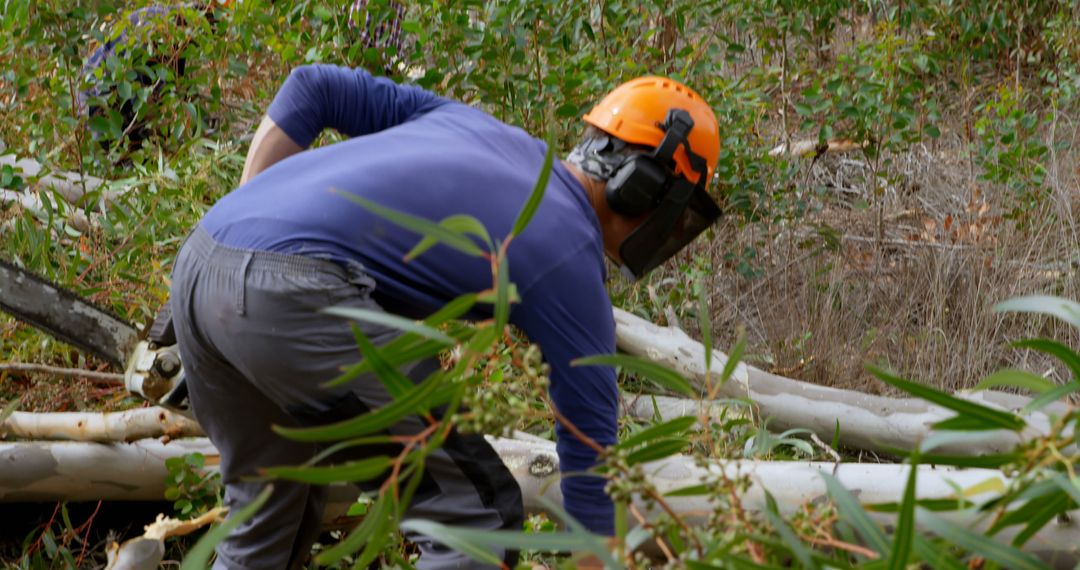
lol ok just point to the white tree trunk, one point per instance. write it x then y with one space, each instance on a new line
129 425
866 421
40 471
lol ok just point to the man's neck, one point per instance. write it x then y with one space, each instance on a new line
594 191
612 226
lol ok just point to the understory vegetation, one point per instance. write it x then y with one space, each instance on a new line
891 172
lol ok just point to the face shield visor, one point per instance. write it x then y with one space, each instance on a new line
684 213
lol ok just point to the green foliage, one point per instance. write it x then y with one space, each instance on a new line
190 486
1011 153
877 73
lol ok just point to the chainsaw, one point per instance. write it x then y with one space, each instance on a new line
150 357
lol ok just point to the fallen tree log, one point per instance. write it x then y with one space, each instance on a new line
52 471
128 425
866 421
72 186
155 421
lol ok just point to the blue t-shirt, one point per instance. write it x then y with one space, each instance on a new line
432 157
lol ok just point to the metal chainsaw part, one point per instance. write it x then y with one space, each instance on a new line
65 315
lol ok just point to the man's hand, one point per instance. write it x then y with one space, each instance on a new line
269 145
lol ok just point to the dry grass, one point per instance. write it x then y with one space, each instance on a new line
920 298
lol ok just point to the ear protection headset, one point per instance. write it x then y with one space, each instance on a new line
642 180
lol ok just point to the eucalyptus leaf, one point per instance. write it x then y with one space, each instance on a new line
198 557
677 426
978 544
787 535
351 472
419 225
734 358
981 416
1015 379
1064 309
1063 353
537 195
904 535
664 376
359 536
413 402
389 320
852 512
657 450
458 223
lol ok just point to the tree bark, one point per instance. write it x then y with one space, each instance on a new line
865 421
129 425
40 471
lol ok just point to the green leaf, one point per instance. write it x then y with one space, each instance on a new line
384 529
978 544
395 355
10 409
391 378
669 428
988 418
661 375
452 310
533 203
408 348
705 324
935 556
731 561
691 491
357 538
657 450
905 524
502 293
353 471
419 225
1052 396
993 461
1064 309
1072 487
388 320
1016 379
478 544
1063 353
734 358
1033 510
459 223
412 402
1049 508
852 512
791 540
198 558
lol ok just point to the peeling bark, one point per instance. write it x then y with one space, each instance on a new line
145 552
866 421
129 425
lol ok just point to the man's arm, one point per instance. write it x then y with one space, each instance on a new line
269 146
568 313
318 97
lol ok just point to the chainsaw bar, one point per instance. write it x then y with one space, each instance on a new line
65 315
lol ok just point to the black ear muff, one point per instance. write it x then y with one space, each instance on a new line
637 186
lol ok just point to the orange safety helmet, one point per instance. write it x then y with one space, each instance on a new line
634 111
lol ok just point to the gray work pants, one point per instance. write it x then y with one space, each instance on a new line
256 351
